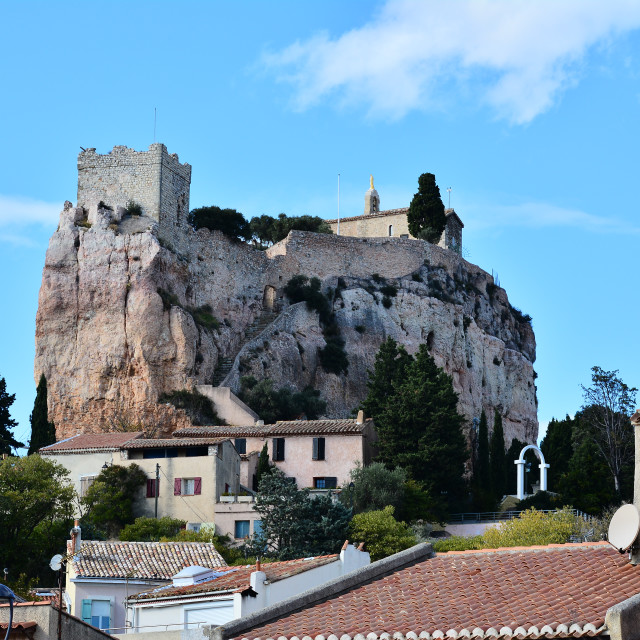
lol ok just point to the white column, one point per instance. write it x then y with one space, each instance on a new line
520 464
543 476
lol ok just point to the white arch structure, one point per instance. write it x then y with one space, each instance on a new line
520 462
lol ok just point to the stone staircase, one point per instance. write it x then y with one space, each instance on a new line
255 329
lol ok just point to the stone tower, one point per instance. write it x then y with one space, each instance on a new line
154 179
371 199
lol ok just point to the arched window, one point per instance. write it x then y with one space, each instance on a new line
390 229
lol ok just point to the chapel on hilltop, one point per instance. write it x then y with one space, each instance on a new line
374 223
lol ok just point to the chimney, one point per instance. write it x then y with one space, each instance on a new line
259 423
76 537
360 418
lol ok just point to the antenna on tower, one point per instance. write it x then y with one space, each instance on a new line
449 190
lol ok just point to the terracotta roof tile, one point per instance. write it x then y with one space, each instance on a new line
90 442
172 442
237 578
292 427
143 560
559 590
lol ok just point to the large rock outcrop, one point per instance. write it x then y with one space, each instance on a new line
123 318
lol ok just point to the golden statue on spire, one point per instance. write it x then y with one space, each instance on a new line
371 181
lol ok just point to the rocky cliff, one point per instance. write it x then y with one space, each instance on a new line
123 318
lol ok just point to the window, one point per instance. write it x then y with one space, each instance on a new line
257 527
151 488
325 483
85 483
196 452
241 445
187 486
278 449
152 454
318 448
241 529
390 229
97 613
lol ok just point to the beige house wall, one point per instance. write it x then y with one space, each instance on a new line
226 514
373 226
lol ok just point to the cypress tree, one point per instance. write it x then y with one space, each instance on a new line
483 474
426 216
264 467
498 458
43 432
7 423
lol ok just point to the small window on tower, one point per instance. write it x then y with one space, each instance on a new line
390 230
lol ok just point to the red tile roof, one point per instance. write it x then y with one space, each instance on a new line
143 560
91 442
237 579
290 427
172 442
552 591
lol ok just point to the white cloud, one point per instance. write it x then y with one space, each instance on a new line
516 57
540 215
17 211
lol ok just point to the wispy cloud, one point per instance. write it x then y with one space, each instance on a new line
515 57
17 214
540 215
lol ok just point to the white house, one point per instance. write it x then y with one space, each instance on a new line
200 596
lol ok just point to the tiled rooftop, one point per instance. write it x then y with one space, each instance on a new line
144 560
552 591
237 578
387 212
172 442
91 442
292 427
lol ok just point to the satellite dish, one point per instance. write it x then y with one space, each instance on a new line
56 562
624 527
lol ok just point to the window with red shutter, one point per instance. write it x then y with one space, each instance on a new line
151 488
177 486
197 486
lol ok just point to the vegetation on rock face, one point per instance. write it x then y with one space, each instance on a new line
108 502
201 315
295 524
426 216
281 404
7 423
133 208
333 356
381 533
43 432
196 405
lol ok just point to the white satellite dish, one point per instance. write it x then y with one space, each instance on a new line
624 527
56 562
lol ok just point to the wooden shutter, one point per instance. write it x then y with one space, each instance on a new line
151 488
177 486
320 448
197 486
315 449
86 611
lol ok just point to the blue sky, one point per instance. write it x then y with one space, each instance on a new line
528 110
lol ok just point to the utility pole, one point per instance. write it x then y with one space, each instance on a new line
157 487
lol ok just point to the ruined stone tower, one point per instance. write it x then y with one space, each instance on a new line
154 179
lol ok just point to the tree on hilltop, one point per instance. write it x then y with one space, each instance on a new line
426 216
231 222
43 432
7 442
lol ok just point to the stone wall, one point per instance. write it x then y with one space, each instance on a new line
154 179
375 225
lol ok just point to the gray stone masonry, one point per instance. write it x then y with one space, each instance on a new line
154 179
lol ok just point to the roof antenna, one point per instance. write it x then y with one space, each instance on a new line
449 190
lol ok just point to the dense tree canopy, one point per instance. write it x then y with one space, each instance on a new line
231 222
266 230
7 442
36 506
381 533
426 216
43 432
374 487
557 448
419 428
280 404
294 523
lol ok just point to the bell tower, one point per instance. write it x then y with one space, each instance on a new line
371 199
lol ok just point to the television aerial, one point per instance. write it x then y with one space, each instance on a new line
624 527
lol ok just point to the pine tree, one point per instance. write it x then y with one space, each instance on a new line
420 430
7 423
483 474
498 458
43 432
426 216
